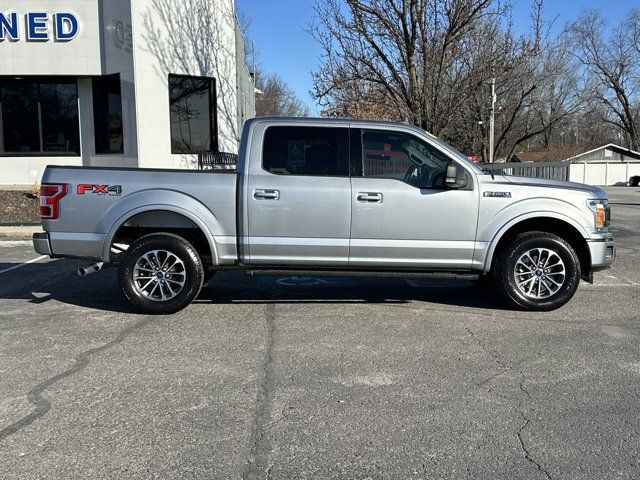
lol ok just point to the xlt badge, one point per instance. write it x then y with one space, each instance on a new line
498 194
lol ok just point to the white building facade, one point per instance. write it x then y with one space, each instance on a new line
121 83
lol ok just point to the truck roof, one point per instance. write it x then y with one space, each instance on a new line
329 120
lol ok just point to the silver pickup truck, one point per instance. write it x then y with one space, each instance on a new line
328 197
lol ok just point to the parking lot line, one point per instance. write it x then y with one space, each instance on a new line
15 267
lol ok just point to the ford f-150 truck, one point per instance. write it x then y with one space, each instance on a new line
328 197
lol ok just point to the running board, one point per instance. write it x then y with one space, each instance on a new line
361 273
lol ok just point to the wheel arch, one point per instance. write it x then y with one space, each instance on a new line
165 218
557 224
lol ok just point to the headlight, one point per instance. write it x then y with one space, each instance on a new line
601 211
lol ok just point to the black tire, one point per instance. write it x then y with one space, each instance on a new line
190 271
505 272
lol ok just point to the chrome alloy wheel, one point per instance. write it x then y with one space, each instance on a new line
540 273
159 275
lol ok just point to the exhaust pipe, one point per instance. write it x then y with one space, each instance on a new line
96 267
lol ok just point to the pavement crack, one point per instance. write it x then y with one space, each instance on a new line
504 367
527 421
525 450
80 362
521 386
485 349
258 461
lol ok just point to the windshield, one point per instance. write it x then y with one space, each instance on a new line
459 155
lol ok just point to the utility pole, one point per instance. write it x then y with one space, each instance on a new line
492 120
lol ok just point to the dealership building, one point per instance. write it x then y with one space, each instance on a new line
120 83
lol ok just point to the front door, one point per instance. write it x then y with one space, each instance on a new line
299 198
403 214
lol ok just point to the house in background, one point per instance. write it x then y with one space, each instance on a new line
606 165
607 153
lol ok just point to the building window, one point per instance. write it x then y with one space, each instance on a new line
317 151
107 114
193 114
39 116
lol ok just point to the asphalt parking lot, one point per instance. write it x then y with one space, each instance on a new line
319 378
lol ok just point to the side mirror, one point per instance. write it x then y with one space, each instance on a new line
456 176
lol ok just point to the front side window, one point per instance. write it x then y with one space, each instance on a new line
316 151
107 114
192 106
400 156
39 116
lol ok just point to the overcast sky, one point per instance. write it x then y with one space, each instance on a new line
283 45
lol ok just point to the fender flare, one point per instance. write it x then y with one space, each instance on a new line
493 244
147 201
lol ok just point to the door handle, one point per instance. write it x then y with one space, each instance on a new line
266 194
370 197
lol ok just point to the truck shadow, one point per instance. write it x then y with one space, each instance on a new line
235 288
57 280
39 283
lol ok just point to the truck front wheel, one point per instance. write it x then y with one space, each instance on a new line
537 271
161 273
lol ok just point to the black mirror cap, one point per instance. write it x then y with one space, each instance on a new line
456 176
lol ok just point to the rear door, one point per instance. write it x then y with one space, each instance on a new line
403 215
299 196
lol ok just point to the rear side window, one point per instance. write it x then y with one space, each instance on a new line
316 151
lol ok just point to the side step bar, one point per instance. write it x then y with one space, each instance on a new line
362 273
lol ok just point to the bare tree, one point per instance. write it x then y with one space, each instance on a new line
613 61
275 98
430 61
406 48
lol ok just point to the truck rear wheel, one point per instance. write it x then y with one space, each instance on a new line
537 271
161 273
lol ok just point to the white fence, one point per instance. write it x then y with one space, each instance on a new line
591 173
603 173
548 170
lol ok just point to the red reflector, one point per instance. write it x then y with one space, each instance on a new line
50 195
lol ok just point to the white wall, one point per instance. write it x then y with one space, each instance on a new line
117 57
80 56
161 48
28 170
603 173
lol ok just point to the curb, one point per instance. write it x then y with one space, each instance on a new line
19 232
20 224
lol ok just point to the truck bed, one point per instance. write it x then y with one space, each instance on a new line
100 199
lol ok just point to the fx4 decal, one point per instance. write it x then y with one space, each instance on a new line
103 190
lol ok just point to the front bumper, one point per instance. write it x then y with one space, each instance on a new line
41 243
603 251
